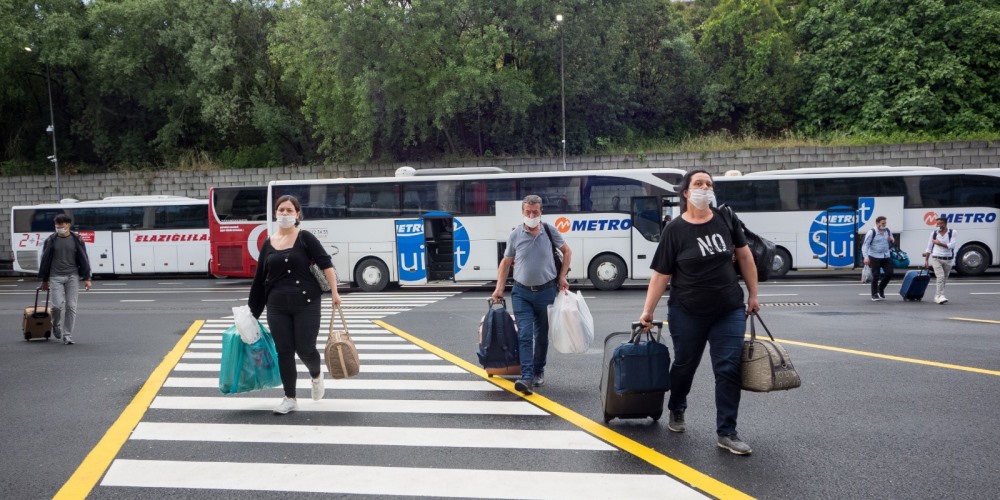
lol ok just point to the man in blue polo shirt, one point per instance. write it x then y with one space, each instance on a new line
536 281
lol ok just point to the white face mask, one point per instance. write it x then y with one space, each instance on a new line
532 222
286 221
701 198
62 231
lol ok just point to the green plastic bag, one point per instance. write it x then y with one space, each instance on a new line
248 367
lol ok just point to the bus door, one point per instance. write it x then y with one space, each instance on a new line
121 252
439 247
410 245
869 209
647 224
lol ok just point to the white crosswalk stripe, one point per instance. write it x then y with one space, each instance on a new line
398 380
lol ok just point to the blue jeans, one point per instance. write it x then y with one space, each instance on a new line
532 316
724 334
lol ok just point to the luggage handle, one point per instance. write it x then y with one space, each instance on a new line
336 307
753 336
38 291
491 303
638 331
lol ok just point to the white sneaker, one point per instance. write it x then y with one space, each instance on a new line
940 299
318 390
287 405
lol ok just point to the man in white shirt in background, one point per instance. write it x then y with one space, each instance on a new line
941 254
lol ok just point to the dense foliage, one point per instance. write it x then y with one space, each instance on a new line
257 83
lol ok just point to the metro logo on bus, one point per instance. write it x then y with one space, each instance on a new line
564 225
156 238
831 236
930 218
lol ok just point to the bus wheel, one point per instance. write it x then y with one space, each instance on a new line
607 272
972 260
372 275
781 264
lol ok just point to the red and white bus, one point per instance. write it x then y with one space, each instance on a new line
124 234
237 225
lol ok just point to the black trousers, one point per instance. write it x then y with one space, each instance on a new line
295 328
881 273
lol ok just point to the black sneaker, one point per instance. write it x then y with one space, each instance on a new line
881 295
523 386
539 380
875 297
734 444
675 421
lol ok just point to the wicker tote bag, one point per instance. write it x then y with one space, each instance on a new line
765 366
341 355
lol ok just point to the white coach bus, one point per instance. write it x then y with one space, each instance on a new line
124 234
818 217
452 224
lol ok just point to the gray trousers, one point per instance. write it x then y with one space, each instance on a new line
65 291
942 267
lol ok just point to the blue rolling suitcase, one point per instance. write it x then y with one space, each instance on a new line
915 284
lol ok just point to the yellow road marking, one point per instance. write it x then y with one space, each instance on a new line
99 459
672 467
893 358
993 321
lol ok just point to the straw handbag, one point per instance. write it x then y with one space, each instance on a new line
340 353
765 366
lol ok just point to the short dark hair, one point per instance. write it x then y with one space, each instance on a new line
62 219
879 219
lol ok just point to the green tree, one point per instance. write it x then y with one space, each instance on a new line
914 65
752 60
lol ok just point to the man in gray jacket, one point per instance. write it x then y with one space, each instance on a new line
64 264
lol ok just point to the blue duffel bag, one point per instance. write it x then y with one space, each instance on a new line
641 365
899 258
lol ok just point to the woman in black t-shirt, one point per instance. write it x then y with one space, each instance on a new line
695 257
284 285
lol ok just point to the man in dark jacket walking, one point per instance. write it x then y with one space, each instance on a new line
64 264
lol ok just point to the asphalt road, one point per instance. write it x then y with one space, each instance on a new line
899 399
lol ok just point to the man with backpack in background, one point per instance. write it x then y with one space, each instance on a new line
875 251
940 253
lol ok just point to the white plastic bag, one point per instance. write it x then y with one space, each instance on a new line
246 324
866 274
571 326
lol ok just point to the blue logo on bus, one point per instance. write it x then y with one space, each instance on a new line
831 236
413 252
866 208
410 243
462 246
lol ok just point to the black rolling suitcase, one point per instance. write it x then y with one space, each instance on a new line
642 405
37 322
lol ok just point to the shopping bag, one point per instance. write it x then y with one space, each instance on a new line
247 325
571 326
866 274
248 367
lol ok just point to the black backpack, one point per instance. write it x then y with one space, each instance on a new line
498 338
763 249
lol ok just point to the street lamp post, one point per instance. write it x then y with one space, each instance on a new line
562 92
51 129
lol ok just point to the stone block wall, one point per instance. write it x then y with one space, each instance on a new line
30 190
